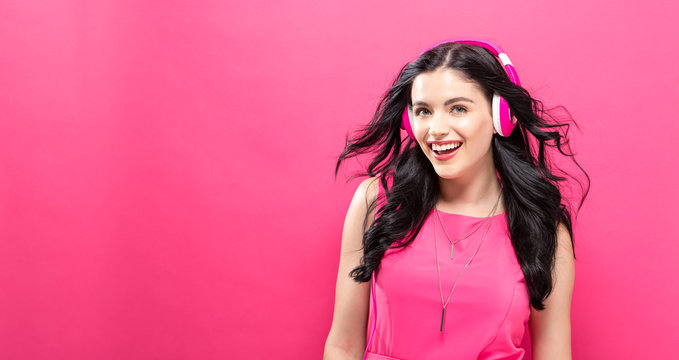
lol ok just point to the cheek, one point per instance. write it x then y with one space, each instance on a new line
479 137
420 132
484 141
418 128
420 135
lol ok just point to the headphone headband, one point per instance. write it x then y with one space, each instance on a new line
494 49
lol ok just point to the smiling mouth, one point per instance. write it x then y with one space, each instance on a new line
445 149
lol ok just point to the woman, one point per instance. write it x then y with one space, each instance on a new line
458 242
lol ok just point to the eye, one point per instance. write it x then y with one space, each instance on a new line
421 111
459 109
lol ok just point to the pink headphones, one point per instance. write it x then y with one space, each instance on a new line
503 121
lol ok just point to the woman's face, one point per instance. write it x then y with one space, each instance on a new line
450 110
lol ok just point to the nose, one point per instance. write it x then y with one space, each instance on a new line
438 126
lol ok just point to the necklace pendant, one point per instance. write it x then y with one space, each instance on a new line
443 314
452 250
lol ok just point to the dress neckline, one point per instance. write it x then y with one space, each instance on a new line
467 216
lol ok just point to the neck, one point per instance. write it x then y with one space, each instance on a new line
472 195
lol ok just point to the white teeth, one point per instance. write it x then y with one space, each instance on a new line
445 147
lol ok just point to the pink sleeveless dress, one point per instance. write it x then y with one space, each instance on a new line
487 315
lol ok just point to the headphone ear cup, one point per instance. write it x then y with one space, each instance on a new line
506 120
497 121
502 117
406 122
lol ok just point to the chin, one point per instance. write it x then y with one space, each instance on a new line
447 174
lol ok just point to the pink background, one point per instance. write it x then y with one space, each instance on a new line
166 167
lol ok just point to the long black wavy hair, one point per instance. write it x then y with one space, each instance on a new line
532 195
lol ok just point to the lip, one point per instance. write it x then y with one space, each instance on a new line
446 156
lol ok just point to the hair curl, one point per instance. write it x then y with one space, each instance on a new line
532 195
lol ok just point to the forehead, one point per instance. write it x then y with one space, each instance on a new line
443 84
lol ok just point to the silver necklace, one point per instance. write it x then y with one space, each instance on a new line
452 243
438 270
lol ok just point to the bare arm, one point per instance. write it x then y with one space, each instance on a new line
346 339
551 327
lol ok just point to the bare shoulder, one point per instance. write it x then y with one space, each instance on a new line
364 198
564 242
369 188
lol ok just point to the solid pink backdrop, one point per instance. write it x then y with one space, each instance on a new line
166 168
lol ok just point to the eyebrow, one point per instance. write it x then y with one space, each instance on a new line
449 101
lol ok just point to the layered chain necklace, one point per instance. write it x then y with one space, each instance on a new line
438 270
453 243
